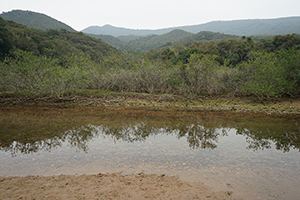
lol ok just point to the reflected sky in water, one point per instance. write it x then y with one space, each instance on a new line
254 155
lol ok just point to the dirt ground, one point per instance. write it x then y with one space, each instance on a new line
283 105
105 186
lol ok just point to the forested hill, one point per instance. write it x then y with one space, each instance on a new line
35 20
111 40
60 44
250 27
146 43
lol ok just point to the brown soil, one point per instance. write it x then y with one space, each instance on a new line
283 105
105 186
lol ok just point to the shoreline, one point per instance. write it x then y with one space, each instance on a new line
87 99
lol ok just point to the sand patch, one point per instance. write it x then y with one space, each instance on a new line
105 186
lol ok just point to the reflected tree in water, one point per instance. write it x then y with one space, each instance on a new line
79 137
199 136
262 137
40 134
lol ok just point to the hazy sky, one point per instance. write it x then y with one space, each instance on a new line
153 14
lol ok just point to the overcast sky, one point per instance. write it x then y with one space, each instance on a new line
153 14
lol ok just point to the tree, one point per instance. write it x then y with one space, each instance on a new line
262 75
5 43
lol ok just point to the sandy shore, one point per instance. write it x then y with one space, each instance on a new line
105 186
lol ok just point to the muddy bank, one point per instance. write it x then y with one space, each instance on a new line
105 186
283 105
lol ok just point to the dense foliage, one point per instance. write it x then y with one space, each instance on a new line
54 43
147 43
5 43
111 40
54 62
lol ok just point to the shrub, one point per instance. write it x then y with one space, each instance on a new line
289 60
262 76
41 74
203 74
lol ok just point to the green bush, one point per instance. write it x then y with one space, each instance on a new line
262 76
148 79
42 75
290 62
203 74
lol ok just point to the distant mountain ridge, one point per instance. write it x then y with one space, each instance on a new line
35 20
119 31
144 40
249 27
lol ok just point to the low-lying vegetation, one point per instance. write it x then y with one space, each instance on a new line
263 75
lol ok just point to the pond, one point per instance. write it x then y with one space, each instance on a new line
254 155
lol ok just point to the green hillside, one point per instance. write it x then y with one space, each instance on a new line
111 40
147 43
144 44
35 20
150 42
128 38
54 43
208 36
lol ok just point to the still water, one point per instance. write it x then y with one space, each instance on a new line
255 156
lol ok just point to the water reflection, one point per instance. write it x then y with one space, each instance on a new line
34 130
262 135
196 135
